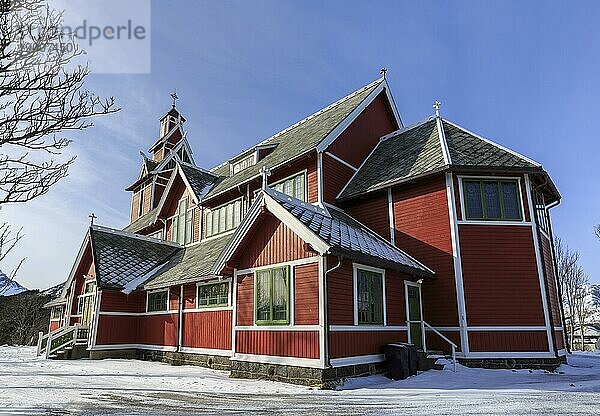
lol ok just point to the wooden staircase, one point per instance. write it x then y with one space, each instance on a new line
426 360
66 343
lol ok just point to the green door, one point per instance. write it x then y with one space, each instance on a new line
415 321
88 309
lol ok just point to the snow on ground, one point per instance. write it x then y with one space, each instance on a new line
33 385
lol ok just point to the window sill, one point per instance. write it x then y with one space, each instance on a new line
494 222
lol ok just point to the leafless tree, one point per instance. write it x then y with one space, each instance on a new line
41 98
574 285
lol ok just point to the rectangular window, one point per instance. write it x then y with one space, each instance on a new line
491 200
242 164
141 203
80 305
293 186
157 301
156 234
540 210
224 218
181 231
273 296
213 295
56 313
369 302
89 287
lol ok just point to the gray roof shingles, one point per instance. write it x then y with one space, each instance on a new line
296 140
417 150
199 179
190 264
121 257
347 236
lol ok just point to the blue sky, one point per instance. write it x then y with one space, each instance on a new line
524 74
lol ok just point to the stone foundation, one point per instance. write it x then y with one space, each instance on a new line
549 364
215 362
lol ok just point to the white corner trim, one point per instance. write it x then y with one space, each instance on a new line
443 143
539 265
322 305
320 181
458 276
360 359
391 217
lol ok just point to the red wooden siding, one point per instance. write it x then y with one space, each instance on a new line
436 343
422 229
116 301
395 298
135 203
174 292
245 300
340 294
335 176
553 291
306 293
299 344
207 329
352 343
560 341
270 242
373 212
117 330
356 142
54 325
189 296
158 329
508 341
500 275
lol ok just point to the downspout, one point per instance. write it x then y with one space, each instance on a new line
558 286
537 235
180 325
325 314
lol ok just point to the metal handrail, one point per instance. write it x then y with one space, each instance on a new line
452 344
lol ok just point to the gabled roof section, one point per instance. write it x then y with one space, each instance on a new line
200 181
298 139
142 222
161 140
425 148
332 232
121 258
191 264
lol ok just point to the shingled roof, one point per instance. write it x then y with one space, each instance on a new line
297 139
142 222
199 179
121 258
190 264
418 150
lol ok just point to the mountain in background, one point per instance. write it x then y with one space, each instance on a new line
13 286
54 291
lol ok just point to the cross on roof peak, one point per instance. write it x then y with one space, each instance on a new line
436 107
265 173
383 71
174 97
92 218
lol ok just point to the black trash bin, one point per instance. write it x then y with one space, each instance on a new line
401 360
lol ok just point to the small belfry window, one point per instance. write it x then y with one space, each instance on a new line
182 223
294 186
157 301
213 295
56 313
369 292
491 200
224 218
273 296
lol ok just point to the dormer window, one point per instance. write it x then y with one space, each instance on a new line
240 165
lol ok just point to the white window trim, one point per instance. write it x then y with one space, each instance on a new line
254 157
168 290
355 267
209 210
463 212
292 298
214 308
301 172
408 321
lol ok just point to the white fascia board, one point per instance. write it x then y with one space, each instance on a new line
330 138
390 97
296 225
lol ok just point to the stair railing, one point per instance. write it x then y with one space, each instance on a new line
452 344
61 338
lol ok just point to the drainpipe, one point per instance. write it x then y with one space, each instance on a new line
180 313
558 287
325 314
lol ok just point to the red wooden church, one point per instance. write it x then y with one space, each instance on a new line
300 258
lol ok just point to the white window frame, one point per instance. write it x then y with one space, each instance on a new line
52 313
303 172
214 308
153 235
292 298
217 208
415 284
168 290
253 156
463 212
355 268
171 219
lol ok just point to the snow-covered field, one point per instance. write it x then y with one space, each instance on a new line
31 385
